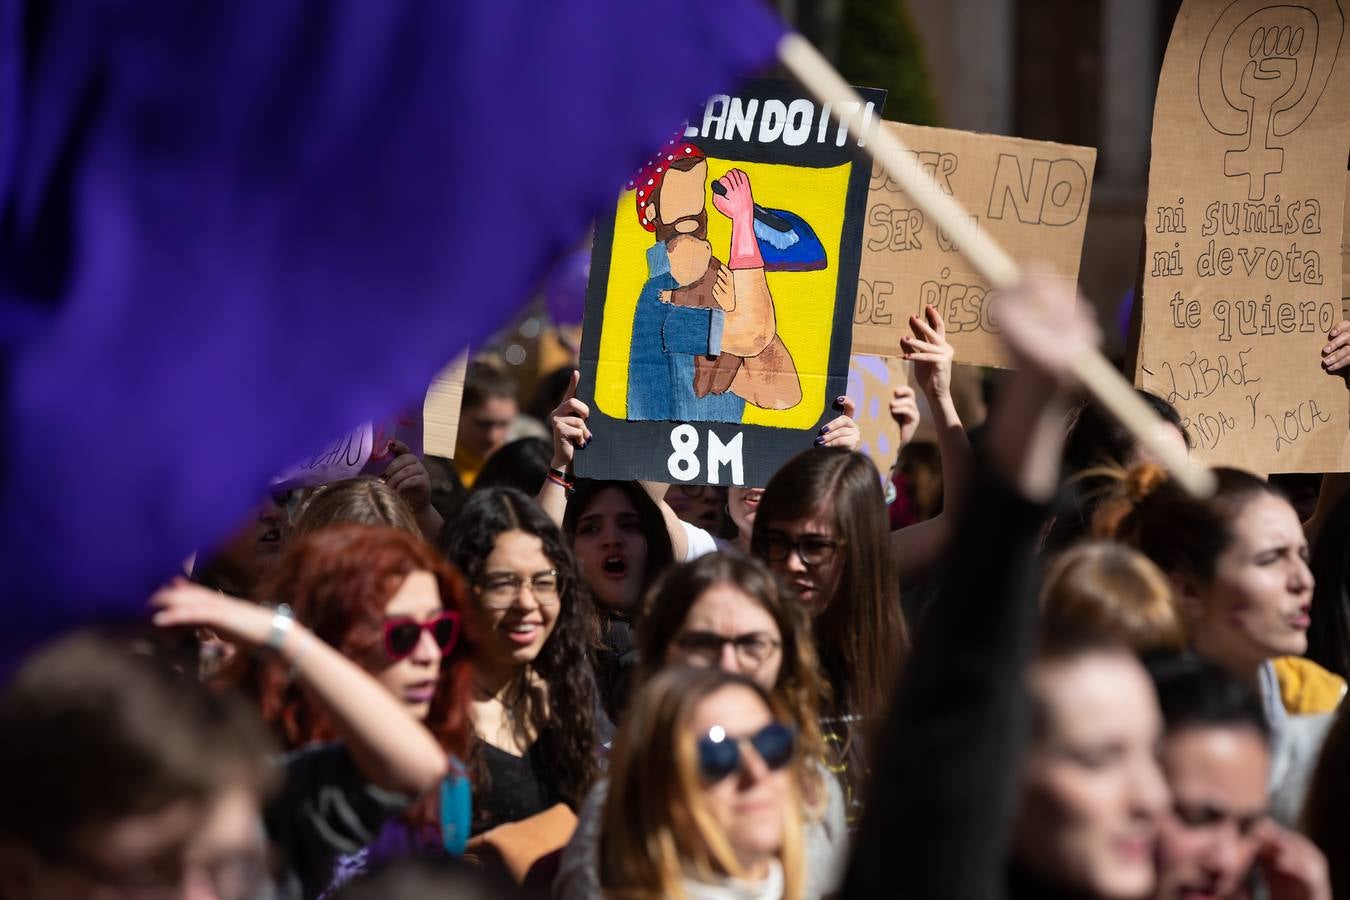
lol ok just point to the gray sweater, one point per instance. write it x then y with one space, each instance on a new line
826 848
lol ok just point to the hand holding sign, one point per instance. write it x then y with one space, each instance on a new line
408 477
568 424
931 354
841 431
1336 354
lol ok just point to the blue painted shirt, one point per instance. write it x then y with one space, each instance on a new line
666 338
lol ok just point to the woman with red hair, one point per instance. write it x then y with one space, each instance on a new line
387 601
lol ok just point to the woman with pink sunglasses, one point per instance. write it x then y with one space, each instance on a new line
390 603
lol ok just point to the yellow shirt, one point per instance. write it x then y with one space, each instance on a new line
1306 688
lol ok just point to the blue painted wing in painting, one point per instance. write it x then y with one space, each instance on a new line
795 250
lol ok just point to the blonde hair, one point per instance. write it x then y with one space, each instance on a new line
658 826
363 500
1108 589
799 682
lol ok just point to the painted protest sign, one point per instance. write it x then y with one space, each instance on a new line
1241 276
719 310
1030 196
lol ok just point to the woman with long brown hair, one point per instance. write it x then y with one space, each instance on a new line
822 526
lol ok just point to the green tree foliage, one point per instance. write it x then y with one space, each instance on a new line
879 47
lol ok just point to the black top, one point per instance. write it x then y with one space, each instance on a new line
515 788
614 664
946 772
326 808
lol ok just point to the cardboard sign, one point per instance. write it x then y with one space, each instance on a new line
365 449
343 457
440 410
1030 196
719 309
1242 269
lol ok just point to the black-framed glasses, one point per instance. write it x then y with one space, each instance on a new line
501 590
720 754
705 647
401 633
812 548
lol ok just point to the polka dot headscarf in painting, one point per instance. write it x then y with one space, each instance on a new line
648 181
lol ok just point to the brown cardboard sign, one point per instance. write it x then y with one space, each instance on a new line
1242 269
440 410
1029 196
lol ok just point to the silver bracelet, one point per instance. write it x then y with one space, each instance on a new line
282 622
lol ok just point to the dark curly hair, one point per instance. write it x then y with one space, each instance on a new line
565 725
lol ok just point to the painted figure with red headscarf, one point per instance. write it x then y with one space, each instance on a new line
705 338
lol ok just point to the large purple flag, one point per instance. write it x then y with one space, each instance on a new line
229 230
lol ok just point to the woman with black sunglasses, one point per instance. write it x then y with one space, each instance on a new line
534 705
704 793
728 611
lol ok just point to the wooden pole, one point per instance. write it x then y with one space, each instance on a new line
1092 370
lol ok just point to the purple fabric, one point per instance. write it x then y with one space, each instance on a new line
565 292
230 230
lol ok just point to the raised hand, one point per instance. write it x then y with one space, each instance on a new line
738 203
568 424
931 354
905 411
408 477
184 604
1045 326
1293 866
841 431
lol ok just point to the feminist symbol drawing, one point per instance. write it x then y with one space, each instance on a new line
1264 67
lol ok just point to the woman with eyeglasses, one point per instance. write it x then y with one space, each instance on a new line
384 599
534 705
723 817
729 612
822 528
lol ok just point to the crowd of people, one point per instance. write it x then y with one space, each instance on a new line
487 676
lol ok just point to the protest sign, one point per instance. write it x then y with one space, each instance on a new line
343 457
440 411
365 450
1242 269
1030 196
719 310
871 380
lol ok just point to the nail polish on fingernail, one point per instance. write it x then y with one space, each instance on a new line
824 428
819 441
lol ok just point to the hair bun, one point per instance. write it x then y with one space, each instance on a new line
1143 479
1133 487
